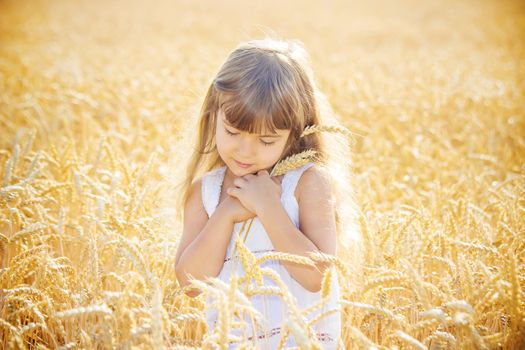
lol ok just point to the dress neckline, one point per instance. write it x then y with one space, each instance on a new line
221 182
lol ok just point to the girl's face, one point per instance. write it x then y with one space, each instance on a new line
246 153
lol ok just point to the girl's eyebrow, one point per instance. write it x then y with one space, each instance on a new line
272 135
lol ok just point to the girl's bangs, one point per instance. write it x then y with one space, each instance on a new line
255 117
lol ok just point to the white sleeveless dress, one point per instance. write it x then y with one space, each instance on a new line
273 309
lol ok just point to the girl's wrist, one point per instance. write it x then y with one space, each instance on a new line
227 212
266 205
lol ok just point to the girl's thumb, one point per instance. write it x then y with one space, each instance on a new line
232 192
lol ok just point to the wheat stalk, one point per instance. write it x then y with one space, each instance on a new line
298 259
10 166
293 162
81 311
326 283
435 313
300 337
14 331
293 310
156 320
248 261
438 335
188 316
399 319
251 290
365 342
29 231
323 315
399 280
460 305
409 340
310 129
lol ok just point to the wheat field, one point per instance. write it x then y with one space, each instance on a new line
96 100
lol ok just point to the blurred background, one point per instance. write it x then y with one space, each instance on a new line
96 98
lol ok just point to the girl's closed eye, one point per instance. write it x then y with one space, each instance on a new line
231 133
267 143
236 133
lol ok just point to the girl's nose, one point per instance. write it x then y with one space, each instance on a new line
245 147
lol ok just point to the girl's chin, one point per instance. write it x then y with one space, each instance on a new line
238 171
241 172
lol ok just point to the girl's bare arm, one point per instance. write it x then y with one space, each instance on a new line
317 227
204 241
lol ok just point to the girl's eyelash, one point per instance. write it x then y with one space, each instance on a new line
233 133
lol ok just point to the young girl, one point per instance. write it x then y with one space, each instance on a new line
253 115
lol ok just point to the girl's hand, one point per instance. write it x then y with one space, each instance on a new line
235 209
256 192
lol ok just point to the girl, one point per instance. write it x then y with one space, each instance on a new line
253 115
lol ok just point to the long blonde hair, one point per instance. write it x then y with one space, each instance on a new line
269 83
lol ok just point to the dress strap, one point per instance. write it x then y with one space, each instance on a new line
211 189
291 179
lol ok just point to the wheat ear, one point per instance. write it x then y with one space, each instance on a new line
310 129
293 162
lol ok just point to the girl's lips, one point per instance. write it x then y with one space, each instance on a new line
242 165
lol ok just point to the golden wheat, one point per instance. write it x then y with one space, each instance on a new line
322 315
440 338
325 128
32 230
264 290
293 162
298 259
365 343
399 319
438 175
15 339
326 283
84 311
414 343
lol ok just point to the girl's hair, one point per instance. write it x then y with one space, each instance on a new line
269 83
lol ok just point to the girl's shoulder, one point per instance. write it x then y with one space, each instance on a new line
214 172
198 182
211 183
211 175
314 180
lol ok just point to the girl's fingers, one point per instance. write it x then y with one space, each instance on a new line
239 182
232 191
